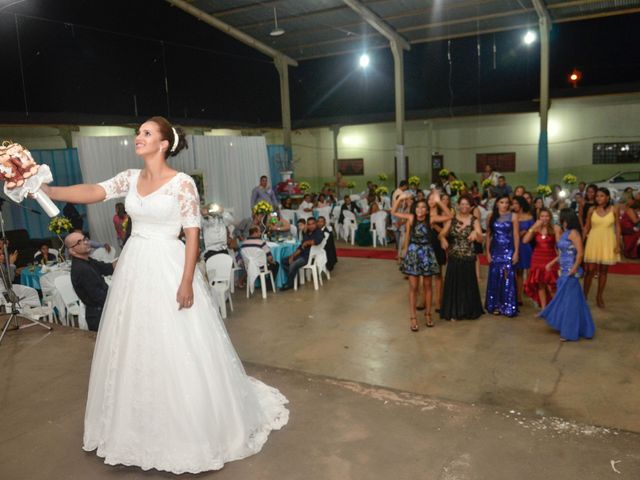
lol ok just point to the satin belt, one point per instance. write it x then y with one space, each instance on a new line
154 236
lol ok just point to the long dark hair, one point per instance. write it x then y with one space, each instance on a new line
569 220
495 214
427 218
607 193
524 205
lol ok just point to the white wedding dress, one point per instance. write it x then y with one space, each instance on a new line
167 389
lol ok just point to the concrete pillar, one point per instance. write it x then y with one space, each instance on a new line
398 70
543 146
285 105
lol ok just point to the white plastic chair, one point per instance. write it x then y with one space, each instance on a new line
349 226
255 262
102 255
311 267
234 268
52 251
321 258
73 305
379 227
334 217
288 215
324 212
42 312
219 272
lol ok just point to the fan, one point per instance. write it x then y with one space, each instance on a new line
277 31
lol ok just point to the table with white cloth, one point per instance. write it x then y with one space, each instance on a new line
281 250
50 292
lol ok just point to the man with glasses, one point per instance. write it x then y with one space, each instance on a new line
87 277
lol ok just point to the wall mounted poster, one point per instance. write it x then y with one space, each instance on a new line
351 166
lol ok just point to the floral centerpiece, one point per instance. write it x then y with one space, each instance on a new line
569 179
414 180
444 173
60 225
382 177
486 183
382 190
304 186
543 190
351 184
458 186
262 208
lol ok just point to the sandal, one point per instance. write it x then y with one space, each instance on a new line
430 323
414 324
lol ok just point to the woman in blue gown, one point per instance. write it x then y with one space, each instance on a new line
568 312
503 244
522 209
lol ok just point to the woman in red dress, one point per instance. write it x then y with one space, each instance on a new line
630 234
541 282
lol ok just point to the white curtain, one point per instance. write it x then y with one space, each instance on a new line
232 166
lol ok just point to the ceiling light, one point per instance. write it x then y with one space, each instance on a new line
364 60
529 37
277 31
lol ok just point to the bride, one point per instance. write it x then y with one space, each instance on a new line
167 389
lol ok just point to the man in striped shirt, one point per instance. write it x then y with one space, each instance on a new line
254 240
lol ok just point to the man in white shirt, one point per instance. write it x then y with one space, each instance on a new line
215 234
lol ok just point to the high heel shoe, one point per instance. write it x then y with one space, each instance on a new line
430 323
414 324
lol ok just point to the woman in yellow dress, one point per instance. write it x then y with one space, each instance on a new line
604 241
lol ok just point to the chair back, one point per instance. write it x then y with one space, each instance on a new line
52 251
349 216
102 255
289 215
326 213
335 213
219 268
65 288
254 255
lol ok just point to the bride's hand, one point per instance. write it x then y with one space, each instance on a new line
185 296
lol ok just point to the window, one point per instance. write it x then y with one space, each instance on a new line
501 162
616 153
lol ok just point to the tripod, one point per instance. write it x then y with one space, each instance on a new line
13 301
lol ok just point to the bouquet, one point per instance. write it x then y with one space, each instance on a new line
543 190
262 207
58 225
351 184
486 183
444 173
414 180
382 191
304 186
569 179
382 177
24 177
458 186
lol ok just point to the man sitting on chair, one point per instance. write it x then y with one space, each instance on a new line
312 236
87 277
255 241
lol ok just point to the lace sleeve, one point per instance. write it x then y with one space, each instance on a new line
117 186
189 203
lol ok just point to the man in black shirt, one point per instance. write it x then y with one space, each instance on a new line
87 277
312 236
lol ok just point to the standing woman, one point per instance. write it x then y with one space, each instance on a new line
461 296
541 282
585 203
628 219
569 312
604 242
120 222
167 389
503 244
525 220
419 259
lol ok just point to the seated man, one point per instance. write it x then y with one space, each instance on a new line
87 277
43 255
312 236
242 229
215 233
255 241
330 246
302 226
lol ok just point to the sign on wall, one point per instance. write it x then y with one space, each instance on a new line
501 162
351 166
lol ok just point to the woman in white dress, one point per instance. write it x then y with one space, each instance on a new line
167 389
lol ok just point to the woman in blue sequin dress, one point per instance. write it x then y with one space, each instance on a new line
503 243
419 259
568 312
522 209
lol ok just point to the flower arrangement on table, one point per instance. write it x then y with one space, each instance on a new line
60 225
382 177
486 183
304 186
543 190
351 184
262 208
458 185
569 179
382 190
443 173
414 180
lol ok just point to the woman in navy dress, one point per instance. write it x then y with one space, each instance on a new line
503 244
522 209
420 259
568 312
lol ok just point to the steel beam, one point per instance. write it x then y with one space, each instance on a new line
543 141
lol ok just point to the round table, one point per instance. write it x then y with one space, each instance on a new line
281 250
31 278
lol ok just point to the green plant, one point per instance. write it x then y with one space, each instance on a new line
569 179
414 180
544 190
444 173
304 186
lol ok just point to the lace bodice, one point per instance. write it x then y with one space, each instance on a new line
460 245
161 213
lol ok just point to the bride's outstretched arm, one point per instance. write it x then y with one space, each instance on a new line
82 194
192 247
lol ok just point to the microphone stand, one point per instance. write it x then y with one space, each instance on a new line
13 301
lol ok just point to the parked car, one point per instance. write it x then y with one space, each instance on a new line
619 182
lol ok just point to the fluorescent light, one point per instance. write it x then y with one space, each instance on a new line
364 60
529 37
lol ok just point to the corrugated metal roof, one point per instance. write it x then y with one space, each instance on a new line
318 28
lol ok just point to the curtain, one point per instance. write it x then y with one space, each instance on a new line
231 167
65 168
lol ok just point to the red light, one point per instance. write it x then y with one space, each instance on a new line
575 77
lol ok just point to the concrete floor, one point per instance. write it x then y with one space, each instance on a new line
495 398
